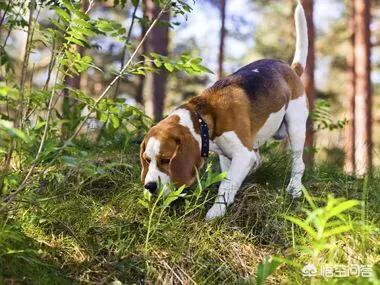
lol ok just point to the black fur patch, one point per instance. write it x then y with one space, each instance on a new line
254 78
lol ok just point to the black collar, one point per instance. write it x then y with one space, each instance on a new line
205 144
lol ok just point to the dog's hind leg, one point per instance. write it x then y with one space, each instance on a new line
296 117
281 132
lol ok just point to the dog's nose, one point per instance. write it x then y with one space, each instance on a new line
151 187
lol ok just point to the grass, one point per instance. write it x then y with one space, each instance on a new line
81 222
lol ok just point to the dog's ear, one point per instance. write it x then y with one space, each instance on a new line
185 160
144 164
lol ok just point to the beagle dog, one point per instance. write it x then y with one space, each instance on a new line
233 118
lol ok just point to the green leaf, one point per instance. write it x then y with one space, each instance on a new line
307 228
212 179
62 14
144 203
205 69
103 117
68 5
169 66
336 231
157 62
343 206
75 41
115 121
309 198
12 131
265 269
174 195
82 23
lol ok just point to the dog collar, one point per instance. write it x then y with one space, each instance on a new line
205 143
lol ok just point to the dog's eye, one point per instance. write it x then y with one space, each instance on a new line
147 160
165 160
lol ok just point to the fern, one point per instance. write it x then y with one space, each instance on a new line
323 118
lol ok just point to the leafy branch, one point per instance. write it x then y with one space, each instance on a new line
76 39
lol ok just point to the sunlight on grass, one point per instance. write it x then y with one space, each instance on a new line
107 229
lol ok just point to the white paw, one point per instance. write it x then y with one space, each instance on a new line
216 211
295 189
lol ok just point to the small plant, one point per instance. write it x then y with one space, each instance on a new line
323 225
266 268
168 193
208 179
323 117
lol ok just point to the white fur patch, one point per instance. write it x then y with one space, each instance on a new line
302 43
296 117
154 174
186 121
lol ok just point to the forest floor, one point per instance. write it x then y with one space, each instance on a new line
85 220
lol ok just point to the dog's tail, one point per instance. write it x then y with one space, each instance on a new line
302 44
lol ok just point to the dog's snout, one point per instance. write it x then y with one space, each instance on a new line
151 187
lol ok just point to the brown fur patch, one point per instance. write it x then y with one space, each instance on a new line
297 67
177 146
144 164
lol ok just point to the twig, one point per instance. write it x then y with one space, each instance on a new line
11 27
90 5
51 65
44 135
5 12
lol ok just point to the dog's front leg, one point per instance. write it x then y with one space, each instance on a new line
225 163
241 164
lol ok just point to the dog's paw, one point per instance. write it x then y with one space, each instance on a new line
295 190
216 211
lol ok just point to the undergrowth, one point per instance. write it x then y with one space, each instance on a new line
86 220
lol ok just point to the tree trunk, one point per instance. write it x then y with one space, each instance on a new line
349 144
308 80
363 116
222 38
157 41
140 90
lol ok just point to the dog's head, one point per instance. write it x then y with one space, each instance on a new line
169 153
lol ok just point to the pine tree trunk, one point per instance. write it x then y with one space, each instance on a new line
157 41
140 90
363 116
308 80
222 38
349 144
